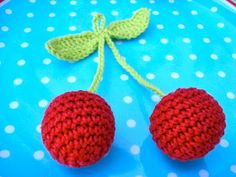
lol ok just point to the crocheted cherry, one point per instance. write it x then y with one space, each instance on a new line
78 128
187 124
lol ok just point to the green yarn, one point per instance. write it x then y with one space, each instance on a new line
76 47
73 47
128 29
100 32
131 71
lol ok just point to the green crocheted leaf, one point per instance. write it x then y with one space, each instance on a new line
128 29
73 47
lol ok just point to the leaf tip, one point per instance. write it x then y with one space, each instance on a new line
143 11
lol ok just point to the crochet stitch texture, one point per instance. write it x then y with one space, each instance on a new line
187 124
78 46
78 128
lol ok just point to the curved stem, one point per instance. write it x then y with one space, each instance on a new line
98 76
129 69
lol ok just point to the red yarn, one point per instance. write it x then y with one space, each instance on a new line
187 124
78 128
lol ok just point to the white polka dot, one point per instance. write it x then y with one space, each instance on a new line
124 77
45 80
73 2
175 12
192 56
21 62
128 99
146 58
230 95
220 25
73 14
233 168
93 2
164 41
171 1
234 55
155 98
32 1
135 149
160 26
200 26
113 1
142 41
152 1
180 26
2 44
227 39
24 44
95 59
72 28
224 143
133 1
131 123
30 14
169 57
155 12
53 2
47 61
8 11
150 76
214 9
71 79
14 104
38 128
115 13
186 40
38 155
52 14
194 12
4 28
50 29
43 103
27 30
214 56
9 129
203 173
199 74
221 74
94 13
174 75
4 153
171 174
206 40
18 81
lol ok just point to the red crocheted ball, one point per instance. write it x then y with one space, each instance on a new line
78 128
187 124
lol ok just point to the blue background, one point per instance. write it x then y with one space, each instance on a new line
188 44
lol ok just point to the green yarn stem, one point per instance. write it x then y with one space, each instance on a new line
130 70
99 30
98 76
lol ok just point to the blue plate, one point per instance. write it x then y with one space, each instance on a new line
188 44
